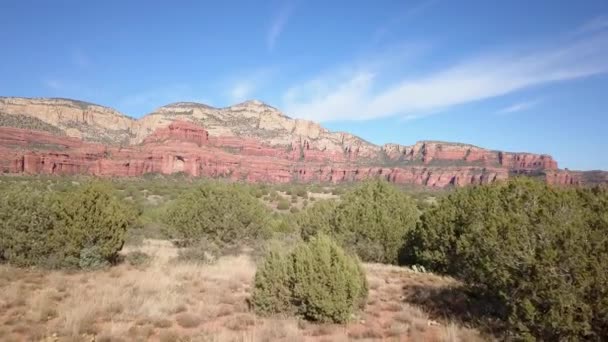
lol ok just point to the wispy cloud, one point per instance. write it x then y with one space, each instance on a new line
242 90
518 107
278 24
244 86
361 94
401 17
593 25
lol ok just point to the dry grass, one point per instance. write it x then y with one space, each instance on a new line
186 320
174 301
168 336
163 323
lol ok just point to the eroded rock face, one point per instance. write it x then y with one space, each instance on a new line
250 141
429 152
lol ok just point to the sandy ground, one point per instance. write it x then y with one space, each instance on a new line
169 300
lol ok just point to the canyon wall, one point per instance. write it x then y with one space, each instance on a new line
250 142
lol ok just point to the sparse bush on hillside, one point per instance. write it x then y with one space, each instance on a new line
200 252
217 211
274 195
301 192
282 224
283 204
371 220
83 227
317 280
538 254
138 258
337 191
28 122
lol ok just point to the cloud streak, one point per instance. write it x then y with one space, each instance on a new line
242 90
244 86
277 26
593 25
360 94
518 107
401 18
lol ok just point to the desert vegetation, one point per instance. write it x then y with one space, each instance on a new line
318 280
28 122
536 255
371 220
177 259
83 227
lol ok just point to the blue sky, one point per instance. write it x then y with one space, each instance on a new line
510 75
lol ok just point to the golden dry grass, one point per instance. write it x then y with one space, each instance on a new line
176 301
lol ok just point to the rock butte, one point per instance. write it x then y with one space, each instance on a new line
250 141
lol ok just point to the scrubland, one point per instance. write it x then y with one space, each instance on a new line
169 300
178 259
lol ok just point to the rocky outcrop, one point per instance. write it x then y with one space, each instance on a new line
433 152
179 131
250 141
76 118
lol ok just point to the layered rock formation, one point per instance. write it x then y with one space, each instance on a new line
250 141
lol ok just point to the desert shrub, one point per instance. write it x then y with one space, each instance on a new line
337 191
282 223
318 280
272 293
138 258
83 227
90 258
92 221
328 283
533 251
371 220
283 204
294 210
256 190
301 192
26 225
318 218
202 251
274 195
216 211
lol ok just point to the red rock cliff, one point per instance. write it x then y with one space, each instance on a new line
188 148
249 141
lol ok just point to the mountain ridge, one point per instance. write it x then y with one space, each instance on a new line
237 105
252 131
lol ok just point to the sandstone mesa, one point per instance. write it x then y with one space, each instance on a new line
250 141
